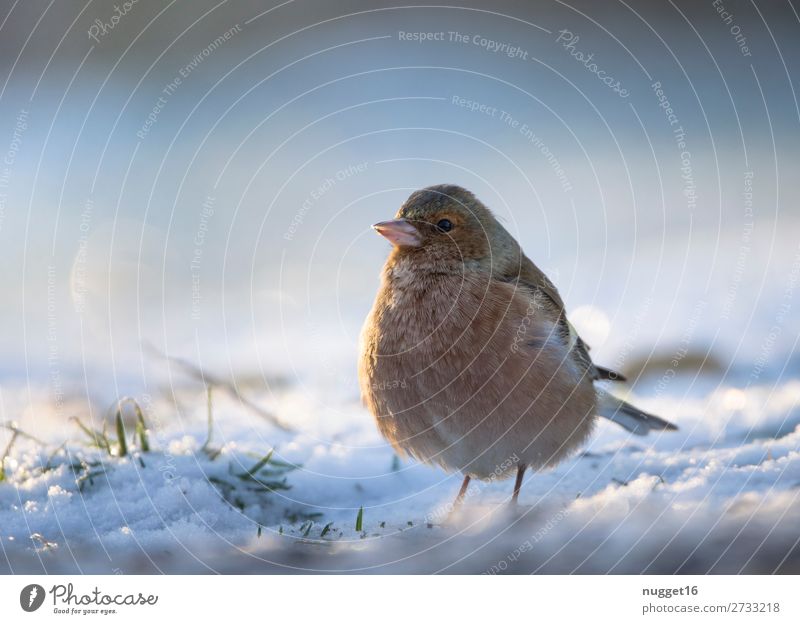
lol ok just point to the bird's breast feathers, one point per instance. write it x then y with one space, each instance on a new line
446 355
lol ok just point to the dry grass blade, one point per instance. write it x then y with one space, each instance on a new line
10 444
209 417
13 427
225 385
98 438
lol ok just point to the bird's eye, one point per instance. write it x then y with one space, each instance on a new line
444 225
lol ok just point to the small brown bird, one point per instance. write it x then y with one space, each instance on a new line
467 358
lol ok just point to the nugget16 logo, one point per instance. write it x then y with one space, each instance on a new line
31 597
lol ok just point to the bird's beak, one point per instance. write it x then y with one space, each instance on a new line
399 232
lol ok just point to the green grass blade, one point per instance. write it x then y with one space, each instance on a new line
122 444
251 474
104 442
141 432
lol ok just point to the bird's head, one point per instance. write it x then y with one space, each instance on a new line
450 226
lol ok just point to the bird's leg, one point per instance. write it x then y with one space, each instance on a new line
461 493
518 483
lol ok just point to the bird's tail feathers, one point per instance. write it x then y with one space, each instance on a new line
631 418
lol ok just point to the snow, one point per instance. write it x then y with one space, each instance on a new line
219 240
719 495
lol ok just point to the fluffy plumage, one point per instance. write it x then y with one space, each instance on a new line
467 358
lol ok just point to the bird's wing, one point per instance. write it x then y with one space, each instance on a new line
532 277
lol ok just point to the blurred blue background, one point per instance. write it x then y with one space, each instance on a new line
202 176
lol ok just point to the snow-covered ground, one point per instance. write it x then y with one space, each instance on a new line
227 222
719 495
